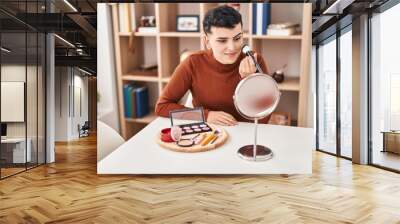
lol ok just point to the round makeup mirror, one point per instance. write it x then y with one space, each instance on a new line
256 97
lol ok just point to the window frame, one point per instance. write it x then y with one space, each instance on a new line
340 30
27 29
378 10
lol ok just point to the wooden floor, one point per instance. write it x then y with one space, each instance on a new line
387 159
5 172
70 191
10 171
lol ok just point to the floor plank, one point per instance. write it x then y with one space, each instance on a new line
70 191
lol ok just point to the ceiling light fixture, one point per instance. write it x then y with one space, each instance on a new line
337 7
70 5
5 50
64 40
84 71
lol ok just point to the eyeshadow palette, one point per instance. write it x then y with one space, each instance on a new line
194 128
189 120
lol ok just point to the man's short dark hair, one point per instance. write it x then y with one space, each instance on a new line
222 16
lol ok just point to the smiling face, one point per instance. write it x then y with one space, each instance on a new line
226 44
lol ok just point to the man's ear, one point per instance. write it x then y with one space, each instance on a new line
206 41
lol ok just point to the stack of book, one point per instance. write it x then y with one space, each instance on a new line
261 18
136 101
283 29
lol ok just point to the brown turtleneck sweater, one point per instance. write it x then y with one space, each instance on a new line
211 83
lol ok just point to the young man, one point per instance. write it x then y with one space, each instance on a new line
213 74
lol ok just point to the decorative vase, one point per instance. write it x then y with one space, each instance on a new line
278 76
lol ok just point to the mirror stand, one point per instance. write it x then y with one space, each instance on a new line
255 152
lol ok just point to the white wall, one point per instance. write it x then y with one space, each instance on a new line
33 126
80 118
61 103
68 81
15 72
107 107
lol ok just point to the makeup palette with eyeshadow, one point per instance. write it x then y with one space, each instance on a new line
190 120
188 129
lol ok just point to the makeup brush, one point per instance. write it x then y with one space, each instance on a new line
247 51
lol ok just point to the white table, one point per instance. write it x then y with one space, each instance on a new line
292 148
19 155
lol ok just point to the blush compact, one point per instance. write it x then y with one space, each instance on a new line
185 143
189 120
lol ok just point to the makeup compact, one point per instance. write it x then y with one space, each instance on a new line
189 120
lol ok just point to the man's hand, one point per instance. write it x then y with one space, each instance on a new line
221 118
247 66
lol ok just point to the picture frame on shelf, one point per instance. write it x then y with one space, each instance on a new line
147 24
148 21
187 23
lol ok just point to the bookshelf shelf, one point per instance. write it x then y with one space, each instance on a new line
147 73
272 37
165 46
290 84
138 34
144 120
139 78
124 34
180 34
142 34
165 80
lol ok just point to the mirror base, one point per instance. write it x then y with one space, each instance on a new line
263 153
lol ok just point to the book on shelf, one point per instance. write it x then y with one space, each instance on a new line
261 18
144 29
127 17
136 101
133 103
142 101
132 17
127 100
123 17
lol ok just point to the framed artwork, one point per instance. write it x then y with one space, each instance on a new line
187 23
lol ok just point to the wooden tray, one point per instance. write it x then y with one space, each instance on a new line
223 136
